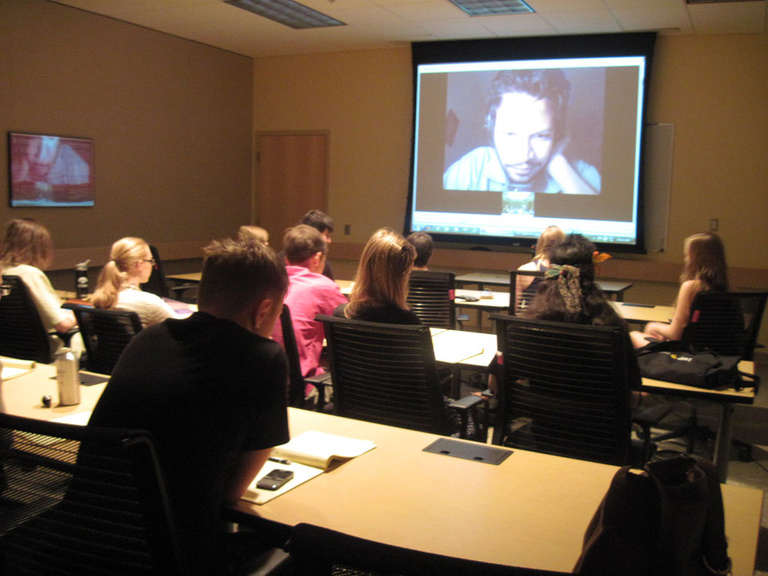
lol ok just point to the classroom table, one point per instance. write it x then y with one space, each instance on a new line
499 302
22 395
190 277
642 313
531 510
463 344
482 279
725 399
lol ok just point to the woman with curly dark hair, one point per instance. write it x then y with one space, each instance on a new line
569 292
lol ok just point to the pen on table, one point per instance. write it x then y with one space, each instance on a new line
279 460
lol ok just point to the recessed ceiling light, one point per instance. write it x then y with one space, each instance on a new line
718 1
287 12
493 7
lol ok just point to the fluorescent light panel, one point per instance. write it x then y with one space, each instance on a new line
493 7
287 12
718 1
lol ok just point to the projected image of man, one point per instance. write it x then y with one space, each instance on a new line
526 124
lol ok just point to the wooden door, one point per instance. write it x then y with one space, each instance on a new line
291 178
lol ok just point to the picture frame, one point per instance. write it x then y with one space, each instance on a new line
47 171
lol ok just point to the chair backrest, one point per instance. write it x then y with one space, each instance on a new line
316 551
82 500
565 389
385 373
105 333
295 377
430 297
22 334
157 283
518 302
726 322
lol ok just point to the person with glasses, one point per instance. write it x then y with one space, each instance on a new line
130 265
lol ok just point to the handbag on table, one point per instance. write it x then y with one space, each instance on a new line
664 520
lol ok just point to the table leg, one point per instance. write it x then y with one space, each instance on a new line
723 441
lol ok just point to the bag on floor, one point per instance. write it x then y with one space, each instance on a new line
666 519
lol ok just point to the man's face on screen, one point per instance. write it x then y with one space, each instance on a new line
524 136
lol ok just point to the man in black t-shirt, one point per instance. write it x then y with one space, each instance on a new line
211 389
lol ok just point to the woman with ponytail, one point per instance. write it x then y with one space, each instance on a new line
130 265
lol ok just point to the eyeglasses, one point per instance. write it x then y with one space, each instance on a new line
152 261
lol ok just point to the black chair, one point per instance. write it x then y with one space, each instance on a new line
83 500
726 322
430 297
105 333
22 334
387 374
296 381
316 551
566 391
158 283
518 303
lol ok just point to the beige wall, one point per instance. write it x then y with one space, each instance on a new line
364 99
714 89
171 121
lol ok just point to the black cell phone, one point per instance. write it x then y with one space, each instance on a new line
275 479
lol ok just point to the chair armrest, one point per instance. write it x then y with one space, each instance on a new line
66 337
466 403
652 416
468 406
321 380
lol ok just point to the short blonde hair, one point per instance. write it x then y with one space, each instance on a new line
257 233
125 253
549 237
383 272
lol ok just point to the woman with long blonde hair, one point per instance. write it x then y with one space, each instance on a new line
130 265
704 269
381 283
526 286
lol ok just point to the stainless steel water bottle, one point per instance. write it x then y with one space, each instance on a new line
67 376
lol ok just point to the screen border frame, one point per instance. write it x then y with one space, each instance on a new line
534 48
12 187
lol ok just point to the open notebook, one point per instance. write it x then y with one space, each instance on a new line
307 455
12 367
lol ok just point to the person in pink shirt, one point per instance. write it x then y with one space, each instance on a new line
309 294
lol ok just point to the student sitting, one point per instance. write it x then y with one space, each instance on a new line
248 232
424 246
569 293
211 390
129 266
526 286
27 250
309 294
705 269
381 283
323 224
